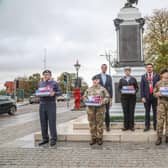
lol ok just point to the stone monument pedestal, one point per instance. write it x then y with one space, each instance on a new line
129 30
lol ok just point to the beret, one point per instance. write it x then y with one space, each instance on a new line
95 77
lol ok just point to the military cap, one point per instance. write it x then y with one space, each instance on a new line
46 71
95 77
163 71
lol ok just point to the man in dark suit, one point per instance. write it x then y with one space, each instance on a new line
148 82
106 82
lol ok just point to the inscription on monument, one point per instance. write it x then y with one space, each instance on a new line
129 45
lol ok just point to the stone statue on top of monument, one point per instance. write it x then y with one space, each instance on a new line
130 3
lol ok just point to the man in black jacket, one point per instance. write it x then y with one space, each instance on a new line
148 82
128 88
106 82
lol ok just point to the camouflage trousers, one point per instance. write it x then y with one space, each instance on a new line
162 118
96 120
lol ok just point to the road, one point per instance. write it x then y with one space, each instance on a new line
26 121
29 113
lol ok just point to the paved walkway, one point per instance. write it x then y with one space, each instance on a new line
13 154
81 155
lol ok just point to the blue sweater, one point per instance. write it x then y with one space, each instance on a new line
54 85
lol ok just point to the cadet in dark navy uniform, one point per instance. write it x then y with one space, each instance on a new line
47 108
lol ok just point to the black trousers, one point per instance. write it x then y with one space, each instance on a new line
151 101
48 117
107 115
128 105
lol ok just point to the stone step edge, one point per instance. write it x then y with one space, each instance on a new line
117 125
139 137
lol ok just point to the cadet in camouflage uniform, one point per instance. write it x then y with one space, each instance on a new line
96 113
162 111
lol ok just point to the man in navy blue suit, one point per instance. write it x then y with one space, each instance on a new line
106 82
148 82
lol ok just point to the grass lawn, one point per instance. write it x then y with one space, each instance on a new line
137 118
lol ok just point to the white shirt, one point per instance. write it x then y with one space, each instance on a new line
103 76
127 78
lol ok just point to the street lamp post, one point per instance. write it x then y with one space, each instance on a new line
77 94
77 66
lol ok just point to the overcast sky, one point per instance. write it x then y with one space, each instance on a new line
69 29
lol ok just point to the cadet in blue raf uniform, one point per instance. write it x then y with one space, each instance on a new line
48 108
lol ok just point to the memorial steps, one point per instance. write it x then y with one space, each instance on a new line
116 109
78 130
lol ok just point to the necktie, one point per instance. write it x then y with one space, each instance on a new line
150 83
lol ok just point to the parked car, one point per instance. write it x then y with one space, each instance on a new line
7 105
34 99
63 97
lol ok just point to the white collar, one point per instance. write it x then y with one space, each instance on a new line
103 74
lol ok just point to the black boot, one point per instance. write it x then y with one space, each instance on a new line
166 139
124 129
107 128
158 141
43 142
52 143
92 142
146 129
99 141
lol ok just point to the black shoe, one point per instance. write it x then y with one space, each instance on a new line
154 128
132 129
43 143
92 142
146 129
124 129
158 141
100 141
166 139
107 129
52 143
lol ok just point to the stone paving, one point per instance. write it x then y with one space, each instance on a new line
14 154
75 155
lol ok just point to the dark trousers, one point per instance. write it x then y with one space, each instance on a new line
151 101
48 116
107 115
128 105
